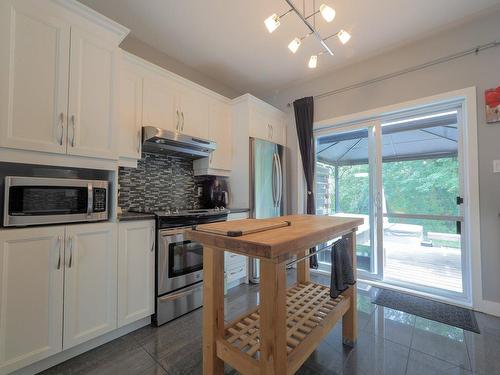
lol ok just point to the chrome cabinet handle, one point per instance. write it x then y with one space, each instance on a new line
153 240
182 115
139 139
272 131
59 243
70 263
61 123
73 123
211 157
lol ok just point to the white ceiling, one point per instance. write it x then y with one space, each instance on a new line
227 40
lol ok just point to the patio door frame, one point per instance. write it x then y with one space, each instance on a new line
466 99
374 140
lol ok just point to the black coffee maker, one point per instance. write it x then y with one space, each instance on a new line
215 192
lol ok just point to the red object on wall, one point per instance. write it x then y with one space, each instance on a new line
492 100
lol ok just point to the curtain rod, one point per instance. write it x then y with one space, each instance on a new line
412 69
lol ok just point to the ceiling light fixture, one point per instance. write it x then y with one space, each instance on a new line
294 45
273 21
313 62
344 36
327 12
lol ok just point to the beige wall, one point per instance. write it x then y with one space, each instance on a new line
159 58
482 71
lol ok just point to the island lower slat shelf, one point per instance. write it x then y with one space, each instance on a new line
311 313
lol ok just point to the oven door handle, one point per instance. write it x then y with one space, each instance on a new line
184 293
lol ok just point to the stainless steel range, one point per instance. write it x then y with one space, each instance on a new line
179 262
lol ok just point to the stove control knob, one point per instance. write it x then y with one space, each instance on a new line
176 211
216 209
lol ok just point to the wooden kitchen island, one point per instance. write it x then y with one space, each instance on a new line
278 335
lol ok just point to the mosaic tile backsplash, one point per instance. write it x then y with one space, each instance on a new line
159 182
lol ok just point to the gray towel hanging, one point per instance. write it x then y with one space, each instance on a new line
342 274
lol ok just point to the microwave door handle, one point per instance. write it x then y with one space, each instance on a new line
90 198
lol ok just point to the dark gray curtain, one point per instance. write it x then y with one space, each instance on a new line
304 118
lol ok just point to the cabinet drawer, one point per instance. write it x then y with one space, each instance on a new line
237 273
232 259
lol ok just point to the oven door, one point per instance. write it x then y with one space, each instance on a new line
180 261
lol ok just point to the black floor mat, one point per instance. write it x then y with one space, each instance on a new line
425 308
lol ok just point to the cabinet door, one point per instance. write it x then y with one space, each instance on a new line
159 104
193 107
277 126
90 282
31 295
91 103
259 125
136 260
130 112
220 131
34 63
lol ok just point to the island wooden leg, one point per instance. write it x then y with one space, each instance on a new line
303 272
350 319
273 318
213 309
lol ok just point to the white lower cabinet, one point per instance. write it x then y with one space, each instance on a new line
90 282
57 289
31 295
136 260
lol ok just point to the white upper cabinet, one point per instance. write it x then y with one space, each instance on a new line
267 123
90 282
130 110
159 103
219 130
192 106
57 78
34 66
91 104
31 295
136 261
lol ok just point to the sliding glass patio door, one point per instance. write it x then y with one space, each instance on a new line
403 175
348 183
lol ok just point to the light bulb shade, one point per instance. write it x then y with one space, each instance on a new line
344 36
294 45
327 12
272 22
313 62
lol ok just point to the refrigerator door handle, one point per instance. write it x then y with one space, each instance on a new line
274 181
280 179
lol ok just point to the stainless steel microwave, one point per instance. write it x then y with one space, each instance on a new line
38 201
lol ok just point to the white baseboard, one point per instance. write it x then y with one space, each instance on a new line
46 363
490 307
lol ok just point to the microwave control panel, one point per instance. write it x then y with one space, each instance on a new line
99 200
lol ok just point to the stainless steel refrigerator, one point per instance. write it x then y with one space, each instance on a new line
266 186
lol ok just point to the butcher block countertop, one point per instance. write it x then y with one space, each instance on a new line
300 232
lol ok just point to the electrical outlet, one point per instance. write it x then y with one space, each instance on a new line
496 166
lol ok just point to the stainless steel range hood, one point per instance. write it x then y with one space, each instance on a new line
161 141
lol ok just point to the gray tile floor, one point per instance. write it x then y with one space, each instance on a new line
389 342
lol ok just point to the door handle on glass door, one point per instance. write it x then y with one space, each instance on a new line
378 200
